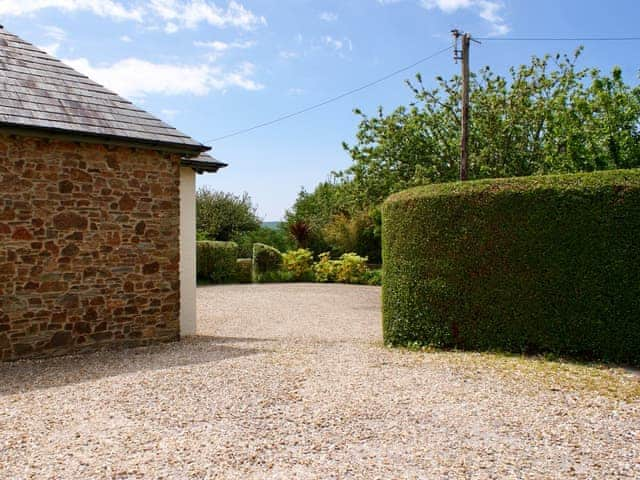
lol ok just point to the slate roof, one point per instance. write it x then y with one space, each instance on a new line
38 91
203 163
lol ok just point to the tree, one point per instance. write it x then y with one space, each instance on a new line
544 117
548 116
221 215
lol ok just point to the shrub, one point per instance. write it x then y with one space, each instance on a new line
266 258
216 261
325 269
537 264
299 263
267 264
276 237
220 215
352 268
301 232
244 270
356 232
374 277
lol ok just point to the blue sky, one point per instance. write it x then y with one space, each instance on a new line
210 67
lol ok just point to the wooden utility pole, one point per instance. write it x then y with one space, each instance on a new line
463 56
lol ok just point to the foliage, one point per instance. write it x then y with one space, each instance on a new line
374 277
326 270
221 216
266 261
545 117
539 264
216 261
274 276
299 263
301 232
356 232
352 269
265 235
244 270
548 116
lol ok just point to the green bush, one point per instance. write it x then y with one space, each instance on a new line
352 268
299 263
276 237
244 270
266 258
537 264
374 277
267 262
216 261
326 270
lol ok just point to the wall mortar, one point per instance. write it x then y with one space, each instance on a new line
89 246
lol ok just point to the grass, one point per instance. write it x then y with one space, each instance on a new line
542 372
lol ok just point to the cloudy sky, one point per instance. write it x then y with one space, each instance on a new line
211 67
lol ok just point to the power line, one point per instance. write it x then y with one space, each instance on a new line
559 39
330 100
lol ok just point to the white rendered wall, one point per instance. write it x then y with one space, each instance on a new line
187 251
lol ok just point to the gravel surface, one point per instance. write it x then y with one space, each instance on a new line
292 381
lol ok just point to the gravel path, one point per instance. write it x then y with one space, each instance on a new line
292 381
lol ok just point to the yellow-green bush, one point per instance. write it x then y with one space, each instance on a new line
352 268
298 263
325 269
537 264
244 270
216 261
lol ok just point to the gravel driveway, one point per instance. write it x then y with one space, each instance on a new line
292 381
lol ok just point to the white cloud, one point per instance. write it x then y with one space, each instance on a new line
125 39
135 78
334 43
169 113
328 17
174 14
55 33
219 46
51 49
102 8
296 91
337 44
288 55
190 13
488 10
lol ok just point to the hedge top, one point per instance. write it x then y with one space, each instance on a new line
577 182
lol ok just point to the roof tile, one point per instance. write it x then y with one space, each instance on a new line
39 91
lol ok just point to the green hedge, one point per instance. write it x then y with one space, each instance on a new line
216 261
244 270
537 264
267 262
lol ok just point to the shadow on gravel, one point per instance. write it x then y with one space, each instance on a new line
25 375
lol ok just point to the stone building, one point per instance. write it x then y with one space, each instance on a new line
97 213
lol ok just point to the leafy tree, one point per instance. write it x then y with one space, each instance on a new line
548 116
221 215
544 117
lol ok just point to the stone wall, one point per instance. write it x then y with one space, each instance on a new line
89 246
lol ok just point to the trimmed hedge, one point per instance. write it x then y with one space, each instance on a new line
216 261
266 262
536 264
244 270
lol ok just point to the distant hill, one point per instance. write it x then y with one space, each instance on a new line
271 225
